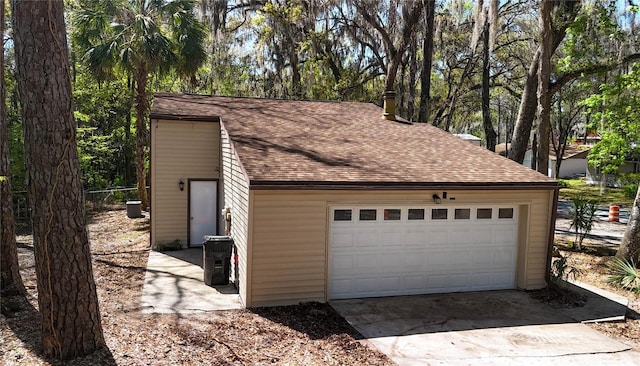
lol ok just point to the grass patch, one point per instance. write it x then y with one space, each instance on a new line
571 188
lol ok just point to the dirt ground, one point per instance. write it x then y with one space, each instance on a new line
593 270
308 334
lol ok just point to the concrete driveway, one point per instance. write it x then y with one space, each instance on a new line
487 328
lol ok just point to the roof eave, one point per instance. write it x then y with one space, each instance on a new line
184 117
309 185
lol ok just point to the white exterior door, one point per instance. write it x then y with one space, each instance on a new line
203 198
393 250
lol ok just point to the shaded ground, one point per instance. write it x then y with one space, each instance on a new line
594 271
309 334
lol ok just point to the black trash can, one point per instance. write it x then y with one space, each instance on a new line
216 259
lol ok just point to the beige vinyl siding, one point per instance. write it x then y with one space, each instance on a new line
236 196
289 231
179 150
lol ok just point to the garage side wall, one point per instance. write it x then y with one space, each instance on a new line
290 236
179 150
235 196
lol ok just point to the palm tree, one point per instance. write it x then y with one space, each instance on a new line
141 38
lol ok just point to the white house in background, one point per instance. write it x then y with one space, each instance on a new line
469 137
574 162
594 175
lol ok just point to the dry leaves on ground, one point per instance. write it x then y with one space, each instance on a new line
308 334
594 271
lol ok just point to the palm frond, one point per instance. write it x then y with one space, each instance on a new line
625 274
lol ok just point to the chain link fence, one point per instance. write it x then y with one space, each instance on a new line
105 199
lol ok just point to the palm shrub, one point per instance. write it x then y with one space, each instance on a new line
561 269
625 274
582 214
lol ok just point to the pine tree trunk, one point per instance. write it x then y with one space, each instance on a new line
630 246
142 106
10 280
67 299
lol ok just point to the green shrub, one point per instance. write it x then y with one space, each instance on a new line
582 215
561 269
629 178
625 274
563 183
630 190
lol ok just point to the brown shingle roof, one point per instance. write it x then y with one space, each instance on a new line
336 143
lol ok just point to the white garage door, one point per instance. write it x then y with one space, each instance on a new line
406 250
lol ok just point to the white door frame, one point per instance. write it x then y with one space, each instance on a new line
213 212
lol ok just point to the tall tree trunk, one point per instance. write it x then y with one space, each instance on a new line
564 13
127 134
142 106
561 145
526 113
296 79
427 60
630 246
10 280
67 298
413 70
489 131
544 75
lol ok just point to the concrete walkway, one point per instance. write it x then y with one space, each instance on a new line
483 328
174 283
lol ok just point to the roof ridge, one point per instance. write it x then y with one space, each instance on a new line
260 98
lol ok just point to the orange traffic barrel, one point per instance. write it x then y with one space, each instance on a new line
614 213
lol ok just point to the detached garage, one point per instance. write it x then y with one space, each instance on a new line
328 200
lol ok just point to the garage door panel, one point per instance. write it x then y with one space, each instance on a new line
414 283
342 264
504 235
392 237
438 283
504 257
342 287
480 281
366 285
415 238
438 235
404 257
460 236
390 283
461 257
438 259
459 280
342 239
395 262
366 263
414 260
366 238
503 278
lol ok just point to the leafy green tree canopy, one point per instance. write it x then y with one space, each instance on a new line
616 110
159 34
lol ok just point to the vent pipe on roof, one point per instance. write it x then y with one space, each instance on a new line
389 107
